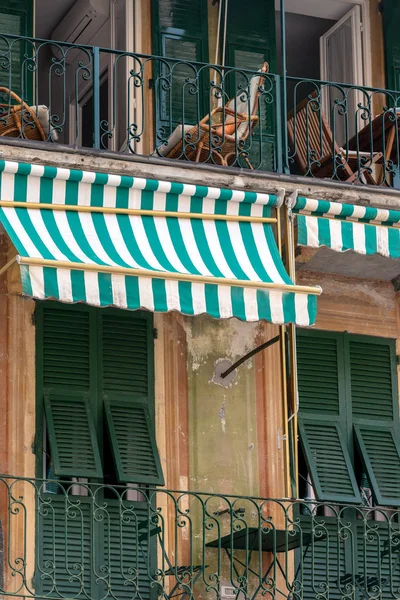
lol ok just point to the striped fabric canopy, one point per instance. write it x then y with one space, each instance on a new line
136 243
346 227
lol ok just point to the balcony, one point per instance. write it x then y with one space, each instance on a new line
142 105
75 540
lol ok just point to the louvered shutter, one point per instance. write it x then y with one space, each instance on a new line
65 378
126 535
322 422
375 413
65 558
180 31
391 18
251 42
133 441
378 565
128 388
322 566
72 435
16 18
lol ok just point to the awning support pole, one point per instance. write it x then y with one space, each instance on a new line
294 408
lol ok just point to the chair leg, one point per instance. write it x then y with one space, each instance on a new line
198 152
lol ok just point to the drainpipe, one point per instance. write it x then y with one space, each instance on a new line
284 89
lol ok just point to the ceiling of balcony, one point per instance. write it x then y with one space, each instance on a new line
48 14
324 9
349 264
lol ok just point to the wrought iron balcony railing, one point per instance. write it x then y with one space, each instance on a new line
86 96
75 540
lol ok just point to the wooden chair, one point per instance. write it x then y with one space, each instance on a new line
317 153
219 137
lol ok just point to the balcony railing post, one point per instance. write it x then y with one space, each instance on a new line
284 90
96 97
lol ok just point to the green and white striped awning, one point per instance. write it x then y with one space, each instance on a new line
111 240
346 227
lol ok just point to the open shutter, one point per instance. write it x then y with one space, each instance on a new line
128 391
328 461
375 413
380 451
72 435
180 31
16 18
322 423
64 379
133 442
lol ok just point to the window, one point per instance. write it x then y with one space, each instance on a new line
16 18
95 411
349 417
95 386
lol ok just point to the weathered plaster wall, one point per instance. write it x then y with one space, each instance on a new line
17 414
227 440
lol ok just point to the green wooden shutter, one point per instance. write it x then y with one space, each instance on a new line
128 389
391 19
132 553
64 559
322 418
380 450
251 41
180 31
373 388
16 18
323 566
133 441
64 384
373 378
72 434
328 460
378 565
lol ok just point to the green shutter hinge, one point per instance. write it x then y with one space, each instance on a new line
33 317
155 333
398 359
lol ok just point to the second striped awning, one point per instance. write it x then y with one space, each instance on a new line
342 227
110 240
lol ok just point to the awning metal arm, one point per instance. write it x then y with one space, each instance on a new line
8 265
249 355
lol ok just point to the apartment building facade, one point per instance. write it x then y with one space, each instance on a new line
199 272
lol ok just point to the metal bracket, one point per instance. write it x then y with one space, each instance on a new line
249 355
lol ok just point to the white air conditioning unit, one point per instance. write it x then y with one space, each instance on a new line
80 24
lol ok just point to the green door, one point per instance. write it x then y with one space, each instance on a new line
251 41
95 425
16 18
183 92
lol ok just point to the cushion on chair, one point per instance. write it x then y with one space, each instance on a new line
43 115
174 139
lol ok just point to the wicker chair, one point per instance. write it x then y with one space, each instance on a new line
219 136
19 120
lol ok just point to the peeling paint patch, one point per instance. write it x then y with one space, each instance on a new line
221 414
